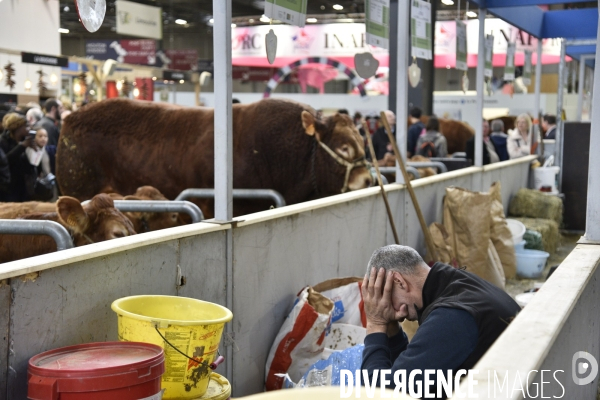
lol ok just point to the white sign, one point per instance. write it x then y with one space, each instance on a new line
527 68
461 46
377 23
291 12
139 20
489 54
420 29
509 69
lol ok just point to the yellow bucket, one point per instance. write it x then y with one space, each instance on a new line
218 388
192 326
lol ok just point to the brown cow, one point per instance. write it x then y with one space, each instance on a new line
149 221
118 145
15 210
142 221
456 133
95 222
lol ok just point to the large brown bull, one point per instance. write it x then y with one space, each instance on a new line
118 145
456 133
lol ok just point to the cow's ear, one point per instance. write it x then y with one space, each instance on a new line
308 123
72 214
131 197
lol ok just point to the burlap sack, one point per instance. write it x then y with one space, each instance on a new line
467 218
500 233
442 243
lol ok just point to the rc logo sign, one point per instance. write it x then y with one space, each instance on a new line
584 368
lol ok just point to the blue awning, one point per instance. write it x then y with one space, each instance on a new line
581 23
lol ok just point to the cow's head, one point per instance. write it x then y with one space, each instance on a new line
97 221
151 221
342 163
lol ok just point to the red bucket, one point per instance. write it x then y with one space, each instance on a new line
94 371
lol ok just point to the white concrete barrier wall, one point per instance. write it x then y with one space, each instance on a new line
275 254
538 355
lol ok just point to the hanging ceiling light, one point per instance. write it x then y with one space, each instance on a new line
77 88
448 2
338 7
136 92
119 85
53 79
311 20
27 85
471 14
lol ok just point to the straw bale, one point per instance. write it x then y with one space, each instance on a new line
547 228
535 204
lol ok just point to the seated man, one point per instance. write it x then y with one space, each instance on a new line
460 315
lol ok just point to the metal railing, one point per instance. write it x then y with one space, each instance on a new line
392 170
441 167
178 206
248 194
30 227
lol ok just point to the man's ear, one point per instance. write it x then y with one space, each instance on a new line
72 214
399 280
308 123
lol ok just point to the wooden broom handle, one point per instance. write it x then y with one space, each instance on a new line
431 253
385 199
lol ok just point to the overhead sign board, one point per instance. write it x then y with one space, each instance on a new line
489 55
139 51
175 76
377 23
420 29
138 20
461 45
509 68
42 59
291 12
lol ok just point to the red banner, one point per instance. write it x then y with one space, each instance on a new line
183 60
145 87
137 51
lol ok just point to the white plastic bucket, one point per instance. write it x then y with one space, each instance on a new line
531 263
517 229
545 177
520 246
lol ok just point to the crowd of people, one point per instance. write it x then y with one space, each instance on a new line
423 139
500 144
426 138
28 140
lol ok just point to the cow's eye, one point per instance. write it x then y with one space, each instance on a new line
118 234
344 150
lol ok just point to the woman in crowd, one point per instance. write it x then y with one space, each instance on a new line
520 139
432 143
13 143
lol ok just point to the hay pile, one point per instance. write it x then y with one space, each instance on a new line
535 204
547 228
